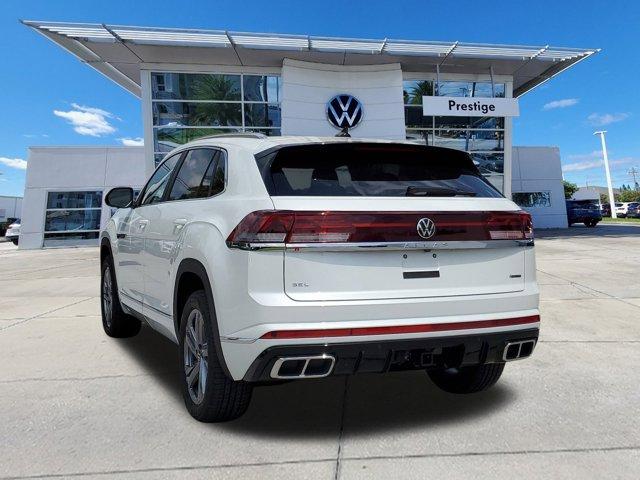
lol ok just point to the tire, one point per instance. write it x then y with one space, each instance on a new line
115 322
15 241
209 394
467 379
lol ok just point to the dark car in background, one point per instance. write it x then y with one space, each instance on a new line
605 209
583 211
633 210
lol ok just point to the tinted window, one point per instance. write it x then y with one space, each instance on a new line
92 199
219 174
191 181
154 190
372 170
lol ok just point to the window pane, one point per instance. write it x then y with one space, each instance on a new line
362 169
195 86
469 122
189 182
166 139
489 163
177 114
414 90
269 132
158 182
91 199
260 88
533 199
497 181
65 220
217 182
261 115
469 140
413 117
469 89
423 137
70 238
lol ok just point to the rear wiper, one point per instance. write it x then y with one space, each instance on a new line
437 192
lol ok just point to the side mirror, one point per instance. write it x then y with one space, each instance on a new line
120 197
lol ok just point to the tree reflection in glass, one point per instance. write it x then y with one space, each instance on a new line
216 87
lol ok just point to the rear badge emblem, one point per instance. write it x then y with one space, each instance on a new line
426 228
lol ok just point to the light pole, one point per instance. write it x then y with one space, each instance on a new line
612 202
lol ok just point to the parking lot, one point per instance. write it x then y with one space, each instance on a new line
77 403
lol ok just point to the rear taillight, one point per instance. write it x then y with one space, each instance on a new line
298 227
509 226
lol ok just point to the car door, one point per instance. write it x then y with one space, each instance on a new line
132 261
191 185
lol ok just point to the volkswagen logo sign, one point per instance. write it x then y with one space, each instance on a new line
344 111
426 228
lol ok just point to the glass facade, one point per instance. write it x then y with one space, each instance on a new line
72 217
532 199
186 106
482 137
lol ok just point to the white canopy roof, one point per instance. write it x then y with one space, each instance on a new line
119 52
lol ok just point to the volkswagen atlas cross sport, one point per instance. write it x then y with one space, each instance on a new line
282 258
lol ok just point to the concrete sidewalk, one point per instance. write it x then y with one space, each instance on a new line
77 403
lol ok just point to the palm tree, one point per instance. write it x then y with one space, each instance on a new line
423 88
217 87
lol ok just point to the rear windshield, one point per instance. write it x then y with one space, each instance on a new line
372 170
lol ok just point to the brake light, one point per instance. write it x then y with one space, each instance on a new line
510 226
298 227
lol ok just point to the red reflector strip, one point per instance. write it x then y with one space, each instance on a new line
424 328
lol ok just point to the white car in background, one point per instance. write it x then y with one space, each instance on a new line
283 258
13 232
622 209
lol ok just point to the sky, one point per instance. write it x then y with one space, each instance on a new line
51 98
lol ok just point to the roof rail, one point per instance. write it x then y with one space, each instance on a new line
255 135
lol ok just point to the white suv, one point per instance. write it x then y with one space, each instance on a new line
271 259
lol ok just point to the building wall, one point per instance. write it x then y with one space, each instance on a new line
65 169
307 87
538 169
10 207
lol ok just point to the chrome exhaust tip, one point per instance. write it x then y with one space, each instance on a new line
315 366
518 350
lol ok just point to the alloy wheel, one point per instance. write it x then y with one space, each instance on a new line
107 296
196 356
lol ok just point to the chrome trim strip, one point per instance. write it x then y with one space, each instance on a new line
388 246
278 363
519 344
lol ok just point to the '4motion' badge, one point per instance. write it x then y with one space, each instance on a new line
426 228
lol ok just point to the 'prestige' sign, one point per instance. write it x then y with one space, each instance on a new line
470 107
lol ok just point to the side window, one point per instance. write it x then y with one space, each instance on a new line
194 178
219 174
156 185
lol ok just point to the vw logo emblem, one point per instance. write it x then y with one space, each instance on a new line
426 228
344 111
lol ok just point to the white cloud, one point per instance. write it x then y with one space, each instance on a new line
132 142
18 163
600 120
594 155
589 164
564 103
88 120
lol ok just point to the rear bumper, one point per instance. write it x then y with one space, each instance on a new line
395 355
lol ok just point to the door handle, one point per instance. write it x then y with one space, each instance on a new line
142 224
178 223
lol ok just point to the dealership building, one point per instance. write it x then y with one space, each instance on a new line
203 82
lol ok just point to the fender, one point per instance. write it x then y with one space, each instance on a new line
189 265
